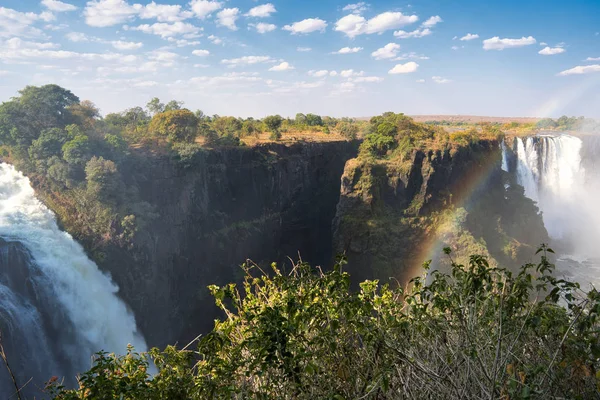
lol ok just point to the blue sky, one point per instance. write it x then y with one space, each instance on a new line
254 58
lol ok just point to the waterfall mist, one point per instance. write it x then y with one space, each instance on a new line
57 308
555 175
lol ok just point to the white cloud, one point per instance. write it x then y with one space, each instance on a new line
58 6
319 74
215 40
143 84
284 66
420 81
102 13
164 12
496 43
455 47
201 53
201 65
367 79
203 8
77 37
469 36
580 70
550 51
356 8
432 21
262 27
412 55
227 18
353 25
15 23
17 43
306 26
417 33
163 56
183 42
247 60
390 50
303 49
349 73
262 11
439 79
126 46
348 50
592 59
166 30
407 68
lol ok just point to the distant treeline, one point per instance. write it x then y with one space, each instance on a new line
563 123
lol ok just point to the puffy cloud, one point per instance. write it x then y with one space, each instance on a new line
227 18
183 42
432 21
581 69
469 36
407 68
58 6
77 37
262 11
592 59
412 55
17 43
367 79
390 50
284 66
417 33
306 26
319 74
303 49
496 43
203 8
439 79
126 46
262 27
201 53
164 12
420 81
246 60
215 40
348 50
16 23
102 13
550 51
166 30
353 25
356 8
349 73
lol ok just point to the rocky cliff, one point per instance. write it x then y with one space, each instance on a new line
218 209
394 215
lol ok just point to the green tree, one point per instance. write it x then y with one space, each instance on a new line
77 150
103 180
48 144
173 105
155 106
314 120
300 119
176 125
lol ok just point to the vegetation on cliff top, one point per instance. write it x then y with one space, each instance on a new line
477 332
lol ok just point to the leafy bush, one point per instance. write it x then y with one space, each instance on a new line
475 332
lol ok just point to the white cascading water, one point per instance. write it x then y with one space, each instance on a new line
65 309
550 169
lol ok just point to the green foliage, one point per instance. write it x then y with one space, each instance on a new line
176 125
273 122
77 150
103 180
48 144
475 332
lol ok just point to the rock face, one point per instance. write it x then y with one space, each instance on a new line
390 213
263 203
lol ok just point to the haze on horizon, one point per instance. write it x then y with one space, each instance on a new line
253 58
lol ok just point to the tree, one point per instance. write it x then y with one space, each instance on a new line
314 120
103 180
273 123
77 150
47 106
173 105
227 126
176 125
249 127
48 144
155 106
300 119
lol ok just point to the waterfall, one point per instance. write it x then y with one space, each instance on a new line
550 169
57 308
